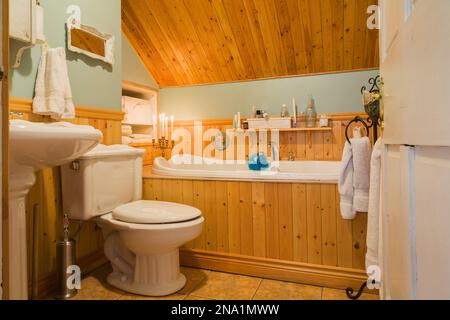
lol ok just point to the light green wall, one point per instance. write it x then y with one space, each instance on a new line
94 83
132 67
333 93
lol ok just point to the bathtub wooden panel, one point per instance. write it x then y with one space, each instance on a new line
282 221
272 231
299 222
259 220
221 211
314 223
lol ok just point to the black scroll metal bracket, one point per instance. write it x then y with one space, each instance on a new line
373 110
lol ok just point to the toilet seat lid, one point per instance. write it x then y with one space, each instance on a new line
155 212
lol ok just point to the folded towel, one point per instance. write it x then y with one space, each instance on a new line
374 206
141 136
127 131
126 140
53 96
142 141
345 185
361 173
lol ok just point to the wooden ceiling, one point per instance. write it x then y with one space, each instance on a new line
190 42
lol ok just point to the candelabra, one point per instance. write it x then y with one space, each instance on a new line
163 144
160 141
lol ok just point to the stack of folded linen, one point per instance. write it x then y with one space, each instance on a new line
127 131
141 138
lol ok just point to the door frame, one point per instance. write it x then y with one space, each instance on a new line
5 142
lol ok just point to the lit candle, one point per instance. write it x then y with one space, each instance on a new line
166 129
239 120
172 120
155 129
163 116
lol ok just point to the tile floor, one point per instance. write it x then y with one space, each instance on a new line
211 285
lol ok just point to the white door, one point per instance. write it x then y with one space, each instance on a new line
416 166
1 148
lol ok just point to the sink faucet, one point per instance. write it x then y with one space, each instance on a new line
291 156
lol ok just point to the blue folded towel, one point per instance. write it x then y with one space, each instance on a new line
258 162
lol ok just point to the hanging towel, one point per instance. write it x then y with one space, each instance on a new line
361 175
53 96
374 206
345 185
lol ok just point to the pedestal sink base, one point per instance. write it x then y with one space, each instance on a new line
21 182
18 245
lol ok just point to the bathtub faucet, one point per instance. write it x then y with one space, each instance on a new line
275 151
291 156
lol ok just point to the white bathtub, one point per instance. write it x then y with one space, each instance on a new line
286 171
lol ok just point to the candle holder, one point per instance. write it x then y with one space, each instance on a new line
163 144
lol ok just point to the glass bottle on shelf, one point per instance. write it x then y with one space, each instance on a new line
311 115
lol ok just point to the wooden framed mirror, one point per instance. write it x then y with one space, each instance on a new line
89 41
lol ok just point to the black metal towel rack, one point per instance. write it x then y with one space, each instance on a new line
372 122
372 109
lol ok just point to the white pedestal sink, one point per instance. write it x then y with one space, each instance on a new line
34 146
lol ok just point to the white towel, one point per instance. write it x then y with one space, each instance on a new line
53 96
127 130
126 140
374 206
345 185
141 136
361 175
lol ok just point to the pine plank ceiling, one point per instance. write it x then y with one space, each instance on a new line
191 42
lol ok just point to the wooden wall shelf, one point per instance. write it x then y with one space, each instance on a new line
308 130
297 129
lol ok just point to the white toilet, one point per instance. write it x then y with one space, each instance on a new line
142 238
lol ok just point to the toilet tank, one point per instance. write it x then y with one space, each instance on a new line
101 180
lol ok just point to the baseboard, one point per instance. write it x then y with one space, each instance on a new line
318 275
47 284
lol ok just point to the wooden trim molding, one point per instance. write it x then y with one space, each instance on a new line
26 106
317 275
132 86
312 74
5 148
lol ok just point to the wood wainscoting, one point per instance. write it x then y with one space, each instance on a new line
44 203
277 223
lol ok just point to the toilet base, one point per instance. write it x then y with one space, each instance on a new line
156 275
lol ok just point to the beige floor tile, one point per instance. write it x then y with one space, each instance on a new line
335 294
96 286
191 297
194 277
224 286
129 296
277 290
102 272
93 288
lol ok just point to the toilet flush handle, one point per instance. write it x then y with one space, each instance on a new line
75 165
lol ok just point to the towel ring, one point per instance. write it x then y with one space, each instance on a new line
357 119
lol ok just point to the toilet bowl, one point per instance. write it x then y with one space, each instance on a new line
142 238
